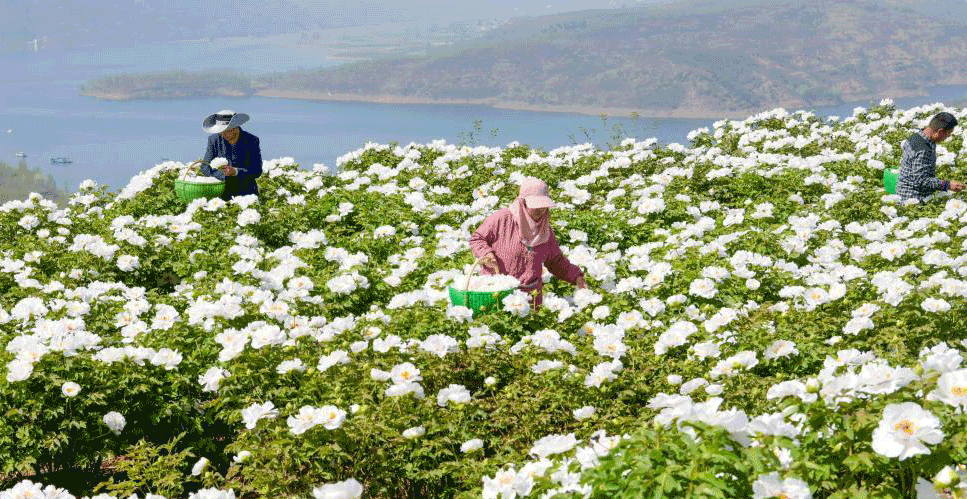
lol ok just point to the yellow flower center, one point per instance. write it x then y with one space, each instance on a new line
958 391
906 426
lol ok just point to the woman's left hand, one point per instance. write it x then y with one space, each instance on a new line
581 283
229 171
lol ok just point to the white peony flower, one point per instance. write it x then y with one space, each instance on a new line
211 379
771 486
336 357
401 389
951 389
486 283
307 418
583 413
209 493
517 303
115 421
405 373
290 365
128 263
471 445
553 444
904 430
199 466
248 216
780 348
416 431
348 489
857 324
947 477
332 417
70 389
704 288
253 413
460 313
439 345
936 305
457 394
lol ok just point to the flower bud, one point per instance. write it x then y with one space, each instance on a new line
812 385
947 477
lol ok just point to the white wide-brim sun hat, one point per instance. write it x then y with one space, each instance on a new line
223 120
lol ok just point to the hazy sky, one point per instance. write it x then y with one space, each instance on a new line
78 22
479 8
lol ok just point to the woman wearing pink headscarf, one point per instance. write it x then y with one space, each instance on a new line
518 241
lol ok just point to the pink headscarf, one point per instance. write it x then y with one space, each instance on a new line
533 231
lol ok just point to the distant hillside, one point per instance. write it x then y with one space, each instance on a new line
169 85
59 24
685 57
794 53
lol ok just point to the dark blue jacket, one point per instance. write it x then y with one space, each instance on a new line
245 155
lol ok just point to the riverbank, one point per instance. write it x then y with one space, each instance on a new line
122 96
624 112
510 105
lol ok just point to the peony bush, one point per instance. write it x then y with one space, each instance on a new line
763 320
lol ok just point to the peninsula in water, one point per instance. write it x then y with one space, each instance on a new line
660 62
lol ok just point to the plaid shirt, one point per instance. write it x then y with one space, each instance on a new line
918 168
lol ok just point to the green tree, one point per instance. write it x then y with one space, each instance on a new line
19 182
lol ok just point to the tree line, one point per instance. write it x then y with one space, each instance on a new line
19 181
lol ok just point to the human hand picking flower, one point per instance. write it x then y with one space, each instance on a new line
228 170
581 283
489 262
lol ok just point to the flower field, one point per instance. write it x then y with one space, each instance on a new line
762 320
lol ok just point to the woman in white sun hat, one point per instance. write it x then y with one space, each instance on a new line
240 148
519 241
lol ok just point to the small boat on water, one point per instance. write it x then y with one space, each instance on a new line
21 154
60 161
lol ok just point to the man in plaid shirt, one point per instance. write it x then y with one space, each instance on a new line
918 167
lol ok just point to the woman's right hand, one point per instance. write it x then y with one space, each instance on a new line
489 262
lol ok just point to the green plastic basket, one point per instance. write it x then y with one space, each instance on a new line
889 179
188 191
480 302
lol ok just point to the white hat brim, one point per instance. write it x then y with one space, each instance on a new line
210 126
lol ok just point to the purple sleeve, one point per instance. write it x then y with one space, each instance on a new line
484 236
559 265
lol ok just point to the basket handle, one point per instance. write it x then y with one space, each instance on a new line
466 286
191 165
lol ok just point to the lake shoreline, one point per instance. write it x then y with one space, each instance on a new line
623 112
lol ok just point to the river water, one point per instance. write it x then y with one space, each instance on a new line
43 115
